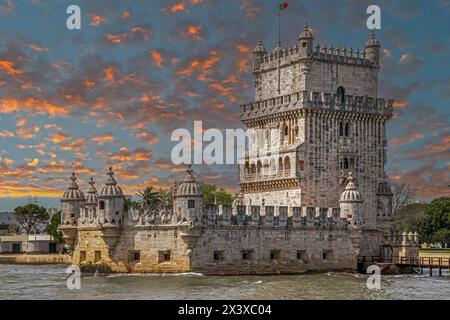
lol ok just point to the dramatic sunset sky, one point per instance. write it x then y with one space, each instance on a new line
112 92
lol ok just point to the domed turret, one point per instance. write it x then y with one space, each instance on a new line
92 197
350 203
258 54
72 201
73 192
111 188
189 199
189 186
111 201
305 42
350 193
372 49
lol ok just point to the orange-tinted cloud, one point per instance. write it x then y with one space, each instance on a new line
8 67
59 137
97 20
102 138
33 163
6 134
157 58
35 105
126 14
193 31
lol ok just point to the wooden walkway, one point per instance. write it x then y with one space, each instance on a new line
423 263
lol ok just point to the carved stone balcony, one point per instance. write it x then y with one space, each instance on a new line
253 177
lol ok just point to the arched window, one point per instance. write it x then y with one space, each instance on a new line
345 163
341 95
102 205
347 126
341 129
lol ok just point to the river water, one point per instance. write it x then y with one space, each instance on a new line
49 282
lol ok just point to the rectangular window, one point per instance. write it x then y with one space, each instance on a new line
246 254
218 255
191 204
275 254
134 256
302 255
164 256
97 256
327 254
82 256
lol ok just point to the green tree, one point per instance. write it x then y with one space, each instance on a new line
410 217
150 198
212 195
166 196
437 218
30 216
127 204
52 228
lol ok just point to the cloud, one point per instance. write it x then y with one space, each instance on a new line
8 67
97 20
193 31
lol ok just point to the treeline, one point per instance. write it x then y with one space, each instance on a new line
431 220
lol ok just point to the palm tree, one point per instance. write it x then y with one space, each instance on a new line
150 198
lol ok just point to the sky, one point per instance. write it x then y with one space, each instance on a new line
111 93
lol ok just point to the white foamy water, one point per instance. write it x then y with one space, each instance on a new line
49 282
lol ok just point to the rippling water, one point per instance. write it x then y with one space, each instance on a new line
49 282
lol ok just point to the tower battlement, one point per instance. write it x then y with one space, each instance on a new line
317 100
321 52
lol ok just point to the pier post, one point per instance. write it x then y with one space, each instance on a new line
440 266
430 267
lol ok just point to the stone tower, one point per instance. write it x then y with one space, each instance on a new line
325 120
350 204
111 202
188 202
73 202
89 212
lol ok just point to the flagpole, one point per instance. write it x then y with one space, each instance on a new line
279 50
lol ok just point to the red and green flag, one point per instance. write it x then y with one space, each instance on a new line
283 6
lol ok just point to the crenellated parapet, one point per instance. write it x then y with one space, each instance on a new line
310 100
321 52
314 218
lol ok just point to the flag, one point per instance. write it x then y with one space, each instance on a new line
283 6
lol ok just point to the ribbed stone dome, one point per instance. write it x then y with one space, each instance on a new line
73 192
111 188
306 33
189 187
91 197
373 42
350 193
259 48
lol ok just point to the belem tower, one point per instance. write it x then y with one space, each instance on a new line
317 199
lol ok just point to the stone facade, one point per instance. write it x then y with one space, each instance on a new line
317 119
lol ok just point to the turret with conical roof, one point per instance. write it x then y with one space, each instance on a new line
350 203
258 55
89 213
306 42
372 49
188 204
72 201
111 201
